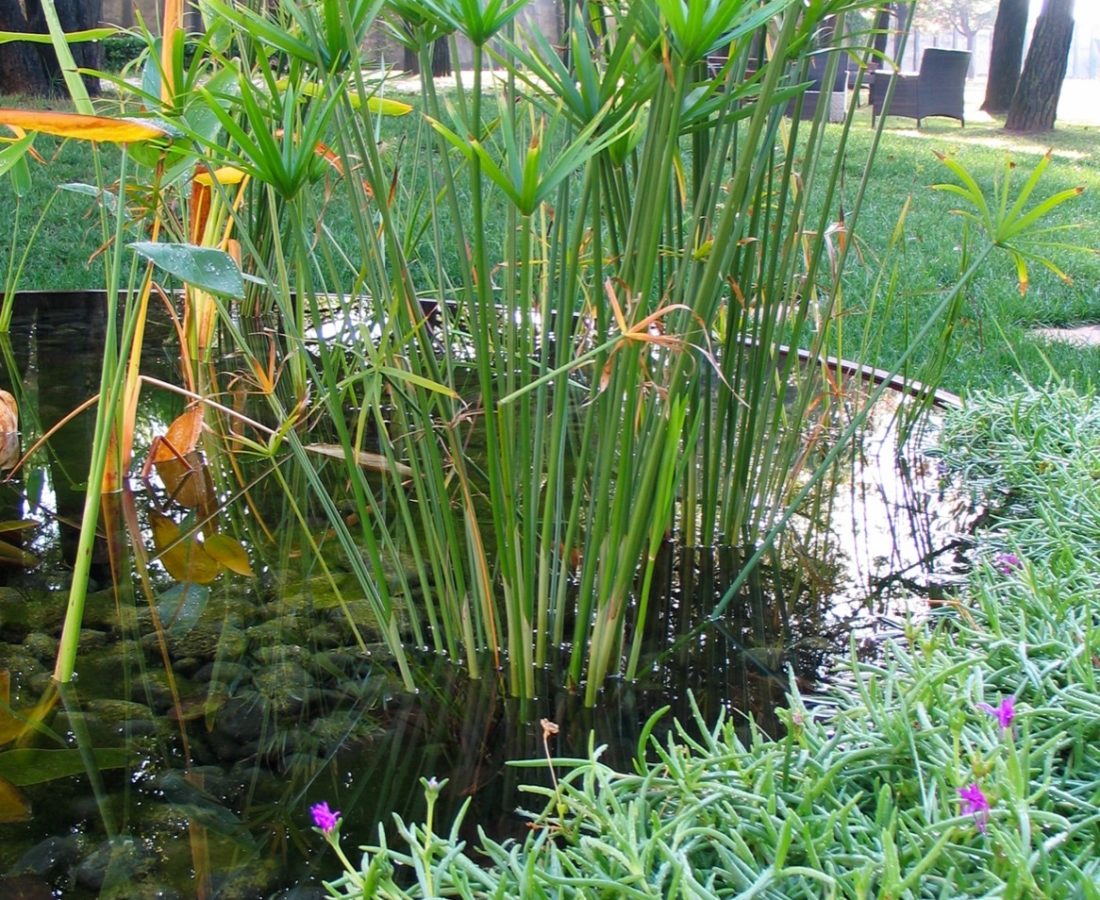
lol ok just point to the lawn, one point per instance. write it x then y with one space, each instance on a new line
992 345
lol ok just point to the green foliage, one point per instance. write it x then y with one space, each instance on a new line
860 796
615 251
122 49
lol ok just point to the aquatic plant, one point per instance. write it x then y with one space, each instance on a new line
513 420
884 783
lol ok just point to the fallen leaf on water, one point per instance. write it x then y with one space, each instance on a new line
184 558
375 461
229 552
187 481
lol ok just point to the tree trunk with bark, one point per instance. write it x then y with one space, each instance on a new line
441 57
33 68
1009 32
20 67
1035 103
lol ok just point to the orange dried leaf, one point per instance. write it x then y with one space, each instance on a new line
182 436
85 128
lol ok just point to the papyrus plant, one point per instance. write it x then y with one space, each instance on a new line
611 249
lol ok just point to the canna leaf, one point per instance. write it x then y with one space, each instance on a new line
206 268
85 128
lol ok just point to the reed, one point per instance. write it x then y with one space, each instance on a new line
540 413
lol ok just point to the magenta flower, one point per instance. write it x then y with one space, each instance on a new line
1007 563
975 803
1004 712
325 818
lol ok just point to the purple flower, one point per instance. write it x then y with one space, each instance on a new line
1007 563
975 803
1004 712
325 818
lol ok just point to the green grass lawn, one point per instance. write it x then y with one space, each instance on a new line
992 345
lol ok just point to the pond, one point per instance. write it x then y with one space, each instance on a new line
200 726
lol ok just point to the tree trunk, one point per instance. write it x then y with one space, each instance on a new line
1035 103
1007 53
33 68
20 65
410 61
441 57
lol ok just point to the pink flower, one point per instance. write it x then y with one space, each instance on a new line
325 818
1004 712
1007 563
975 803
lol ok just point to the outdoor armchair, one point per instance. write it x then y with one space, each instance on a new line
937 90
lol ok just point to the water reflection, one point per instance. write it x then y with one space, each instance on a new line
206 723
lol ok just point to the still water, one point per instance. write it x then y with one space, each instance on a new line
201 726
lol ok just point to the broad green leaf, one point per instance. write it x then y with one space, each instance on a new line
14 807
229 552
181 606
377 105
203 267
29 765
109 199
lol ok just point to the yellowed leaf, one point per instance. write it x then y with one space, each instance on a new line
229 552
375 461
85 128
182 436
184 558
222 175
14 807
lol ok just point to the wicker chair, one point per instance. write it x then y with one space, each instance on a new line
838 96
937 90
